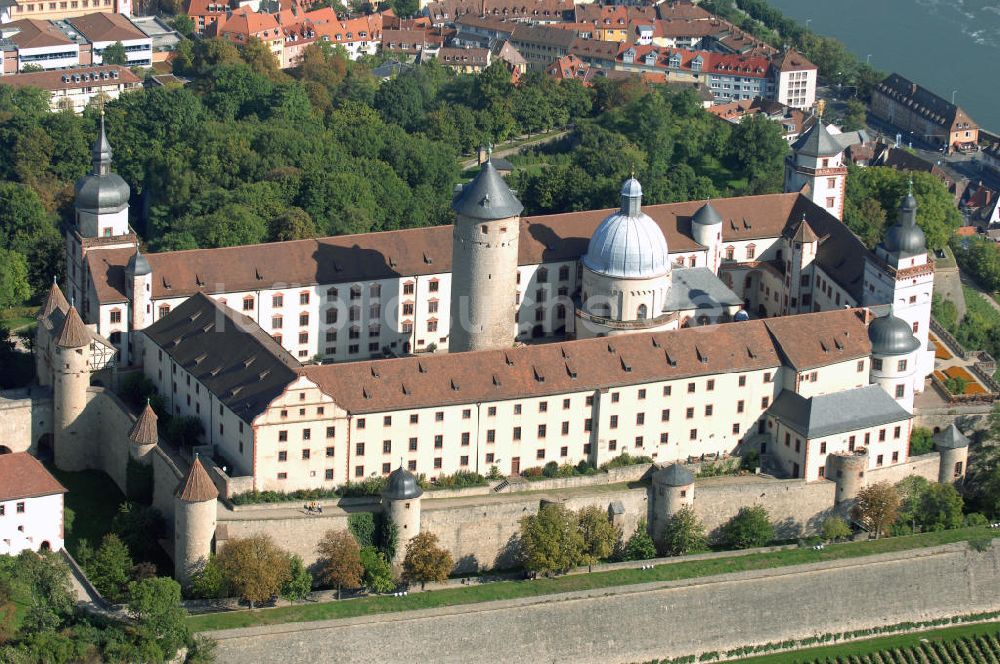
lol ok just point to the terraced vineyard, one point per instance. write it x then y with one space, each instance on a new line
974 649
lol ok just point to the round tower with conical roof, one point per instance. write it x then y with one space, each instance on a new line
195 514
484 263
673 489
626 272
706 228
45 332
953 446
143 436
71 378
139 287
401 498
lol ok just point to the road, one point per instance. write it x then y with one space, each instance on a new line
516 149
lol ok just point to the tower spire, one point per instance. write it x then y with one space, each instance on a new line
101 152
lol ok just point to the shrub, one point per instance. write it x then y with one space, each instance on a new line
460 480
751 527
377 576
921 441
370 486
975 519
532 473
207 583
551 469
256 497
640 545
625 459
684 533
362 526
835 528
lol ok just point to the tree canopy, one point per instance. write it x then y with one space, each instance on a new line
551 541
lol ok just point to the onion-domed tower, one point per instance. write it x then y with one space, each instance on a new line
902 275
894 358
626 272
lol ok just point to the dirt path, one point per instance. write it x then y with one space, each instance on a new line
542 139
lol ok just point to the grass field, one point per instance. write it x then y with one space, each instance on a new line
91 504
517 589
965 644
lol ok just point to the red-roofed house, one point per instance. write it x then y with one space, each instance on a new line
244 23
205 13
31 506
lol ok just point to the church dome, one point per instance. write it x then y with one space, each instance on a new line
890 335
628 244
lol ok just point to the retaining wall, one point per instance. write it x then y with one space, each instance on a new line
649 621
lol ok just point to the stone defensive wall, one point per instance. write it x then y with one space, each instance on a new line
480 529
656 620
25 418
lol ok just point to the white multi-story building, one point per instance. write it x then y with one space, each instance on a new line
31 506
75 88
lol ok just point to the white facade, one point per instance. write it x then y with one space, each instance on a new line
31 524
796 88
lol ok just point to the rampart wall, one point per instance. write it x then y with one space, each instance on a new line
649 621
25 417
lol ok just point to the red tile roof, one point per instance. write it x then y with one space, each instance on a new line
419 251
103 26
808 341
197 486
88 76
24 476
35 33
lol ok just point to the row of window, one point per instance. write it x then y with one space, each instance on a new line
18 507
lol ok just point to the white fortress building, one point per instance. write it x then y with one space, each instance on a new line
679 332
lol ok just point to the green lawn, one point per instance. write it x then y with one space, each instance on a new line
91 504
871 646
518 589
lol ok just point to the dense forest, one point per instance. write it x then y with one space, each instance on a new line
248 153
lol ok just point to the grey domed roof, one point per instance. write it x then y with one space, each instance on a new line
706 216
102 194
905 237
402 485
628 244
487 197
138 266
101 191
891 336
674 475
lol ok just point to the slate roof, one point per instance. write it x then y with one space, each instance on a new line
24 476
829 414
226 352
924 102
487 197
197 487
674 475
817 142
698 288
950 438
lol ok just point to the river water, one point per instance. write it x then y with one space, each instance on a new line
943 45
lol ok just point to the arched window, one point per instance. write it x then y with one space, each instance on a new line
543 275
355 313
355 292
641 313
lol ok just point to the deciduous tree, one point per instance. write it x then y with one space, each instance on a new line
378 576
299 582
551 541
877 507
425 560
155 604
835 528
254 568
111 568
600 536
114 54
684 533
340 560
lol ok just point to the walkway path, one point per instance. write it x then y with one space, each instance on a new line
971 283
541 139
